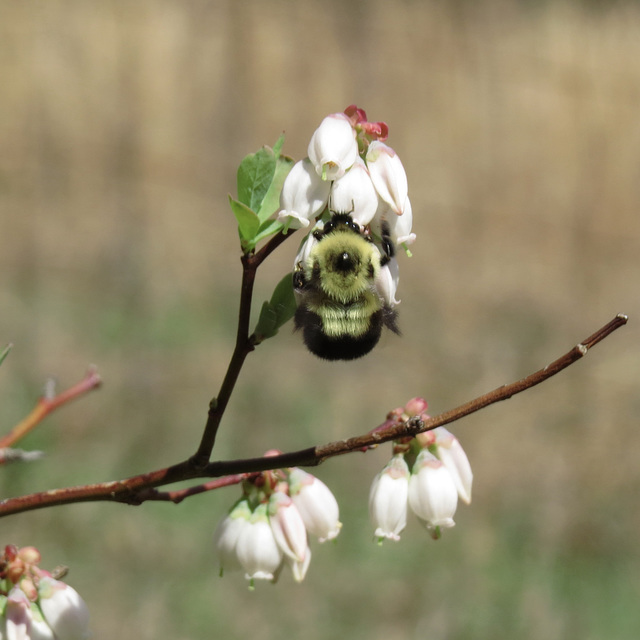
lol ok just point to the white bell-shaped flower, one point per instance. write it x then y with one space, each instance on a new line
388 175
401 225
333 147
304 195
388 499
40 630
316 504
299 568
387 281
452 455
354 193
257 549
287 526
432 492
227 533
63 609
307 246
17 615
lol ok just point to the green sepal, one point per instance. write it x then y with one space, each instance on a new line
277 311
5 352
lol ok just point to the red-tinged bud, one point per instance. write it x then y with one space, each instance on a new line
426 439
30 555
16 569
30 590
355 114
10 552
415 407
376 130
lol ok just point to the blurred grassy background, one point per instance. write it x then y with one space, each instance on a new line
121 127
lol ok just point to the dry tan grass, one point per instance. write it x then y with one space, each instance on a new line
121 125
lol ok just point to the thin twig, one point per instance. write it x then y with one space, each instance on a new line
46 405
179 495
135 490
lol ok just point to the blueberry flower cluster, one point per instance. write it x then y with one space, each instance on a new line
269 526
350 169
34 605
440 475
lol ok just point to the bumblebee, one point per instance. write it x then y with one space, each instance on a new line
337 281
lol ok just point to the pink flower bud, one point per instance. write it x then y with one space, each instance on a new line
415 407
29 555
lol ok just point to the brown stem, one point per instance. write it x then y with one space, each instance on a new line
244 346
135 490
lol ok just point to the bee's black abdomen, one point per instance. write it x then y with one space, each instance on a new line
343 347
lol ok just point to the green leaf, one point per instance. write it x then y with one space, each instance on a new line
255 175
283 299
261 176
266 327
277 147
271 201
5 352
267 229
277 311
248 221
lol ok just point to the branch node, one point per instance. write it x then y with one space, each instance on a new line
198 462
